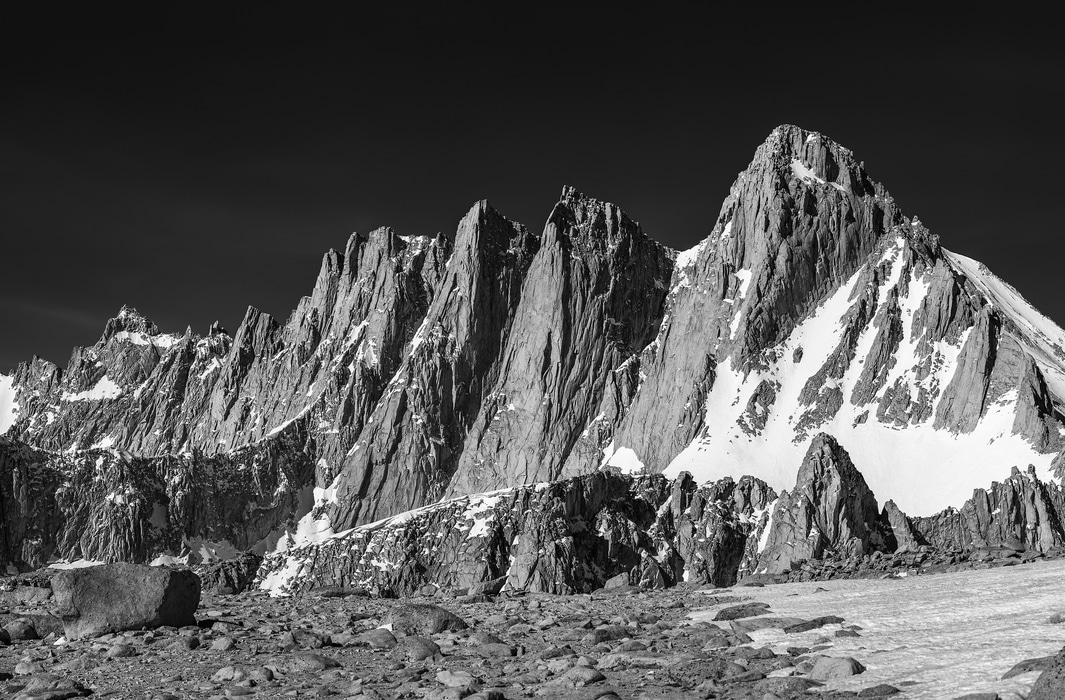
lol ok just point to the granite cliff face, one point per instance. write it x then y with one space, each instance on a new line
429 367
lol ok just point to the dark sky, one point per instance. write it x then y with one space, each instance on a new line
190 164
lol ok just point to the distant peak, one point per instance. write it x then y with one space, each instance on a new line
131 321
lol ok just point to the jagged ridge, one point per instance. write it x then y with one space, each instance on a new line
427 367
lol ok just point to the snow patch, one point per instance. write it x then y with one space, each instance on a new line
951 634
161 341
626 460
763 540
76 564
799 169
105 388
9 407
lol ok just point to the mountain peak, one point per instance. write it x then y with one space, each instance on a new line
131 321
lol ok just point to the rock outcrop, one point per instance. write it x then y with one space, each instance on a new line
831 511
421 368
568 536
1022 512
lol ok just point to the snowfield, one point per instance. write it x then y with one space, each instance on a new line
923 469
8 403
948 634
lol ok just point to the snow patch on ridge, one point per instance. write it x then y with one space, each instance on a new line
105 388
799 169
63 564
623 458
162 341
9 407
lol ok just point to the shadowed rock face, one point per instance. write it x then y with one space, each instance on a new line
110 506
429 367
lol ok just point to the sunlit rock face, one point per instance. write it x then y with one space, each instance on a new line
423 368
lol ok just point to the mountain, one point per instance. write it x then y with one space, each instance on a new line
423 368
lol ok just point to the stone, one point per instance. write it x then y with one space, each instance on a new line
882 690
118 651
813 624
785 684
95 600
310 662
422 618
828 668
20 629
457 679
415 648
1051 682
223 644
379 638
736 612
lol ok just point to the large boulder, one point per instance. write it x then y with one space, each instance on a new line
422 618
1050 684
95 600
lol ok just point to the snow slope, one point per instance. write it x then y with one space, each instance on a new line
924 470
950 634
8 403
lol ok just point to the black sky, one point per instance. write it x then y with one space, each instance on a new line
193 163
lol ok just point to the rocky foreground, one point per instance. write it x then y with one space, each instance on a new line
620 642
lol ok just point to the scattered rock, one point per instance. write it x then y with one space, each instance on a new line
1050 685
414 648
735 612
879 691
828 667
813 624
422 618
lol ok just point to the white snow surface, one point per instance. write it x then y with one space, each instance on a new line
105 388
951 634
8 403
76 564
801 171
1043 337
625 459
163 341
922 469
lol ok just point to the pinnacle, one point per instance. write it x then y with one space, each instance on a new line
129 319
